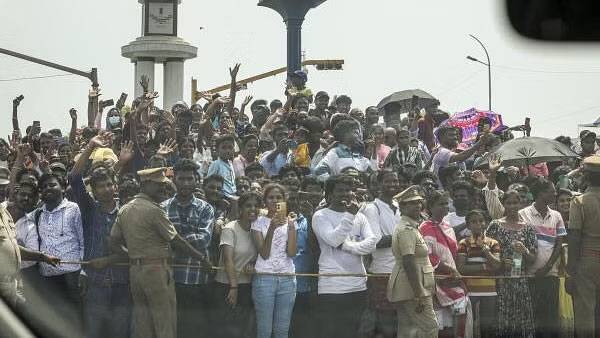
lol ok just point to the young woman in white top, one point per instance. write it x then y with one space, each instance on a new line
344 236
234 284
275 240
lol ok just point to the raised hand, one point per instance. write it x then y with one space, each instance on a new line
18 100
73 114
24 149
167 148
126 153
100 141
234 71
144 81
495 162
147 101
247 100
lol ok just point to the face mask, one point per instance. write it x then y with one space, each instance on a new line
114 120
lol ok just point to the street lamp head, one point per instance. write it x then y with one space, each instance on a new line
472 58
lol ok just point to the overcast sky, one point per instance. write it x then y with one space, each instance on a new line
387 46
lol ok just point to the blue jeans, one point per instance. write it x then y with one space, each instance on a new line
274 298
107 311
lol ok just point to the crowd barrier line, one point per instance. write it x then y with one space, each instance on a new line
300 274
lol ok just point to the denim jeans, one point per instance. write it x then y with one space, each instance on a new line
107 311
274 298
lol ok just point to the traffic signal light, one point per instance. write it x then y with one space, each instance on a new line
329 64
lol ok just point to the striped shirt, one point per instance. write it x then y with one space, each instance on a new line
474 254
547 228
398 158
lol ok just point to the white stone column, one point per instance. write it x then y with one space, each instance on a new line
173 82
143 66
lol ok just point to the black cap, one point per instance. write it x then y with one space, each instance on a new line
587 134
321 94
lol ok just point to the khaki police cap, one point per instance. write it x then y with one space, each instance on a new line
592 163
410 194
154 175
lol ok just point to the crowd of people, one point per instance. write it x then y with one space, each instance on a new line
310 219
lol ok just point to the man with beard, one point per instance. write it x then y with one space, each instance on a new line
404 153
260 113
26 198
345 236
193 219
320 110
446 154
106 302
56 229
383 215
143 227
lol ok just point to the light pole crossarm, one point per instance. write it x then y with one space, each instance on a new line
489 65
92 75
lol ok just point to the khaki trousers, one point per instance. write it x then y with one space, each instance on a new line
154 303
412 324
587 285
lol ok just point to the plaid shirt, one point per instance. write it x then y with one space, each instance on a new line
195 226
397 158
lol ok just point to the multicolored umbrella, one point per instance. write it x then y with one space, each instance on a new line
468 121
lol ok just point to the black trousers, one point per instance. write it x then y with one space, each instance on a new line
238 322
53 304
340 314
544 292
303 317
194 310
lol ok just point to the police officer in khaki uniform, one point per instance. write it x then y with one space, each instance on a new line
143 227
10 258
584 249
411 282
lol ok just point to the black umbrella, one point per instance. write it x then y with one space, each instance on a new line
531 150
405 97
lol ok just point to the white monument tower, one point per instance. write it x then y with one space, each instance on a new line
159 44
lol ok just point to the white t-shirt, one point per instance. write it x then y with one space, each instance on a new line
244 252
278 260
343 239
383 220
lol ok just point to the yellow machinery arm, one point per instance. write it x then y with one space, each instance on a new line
319 64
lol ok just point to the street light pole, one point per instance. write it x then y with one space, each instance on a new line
489 65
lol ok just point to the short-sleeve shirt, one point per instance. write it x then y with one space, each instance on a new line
442 159
475 255
145 227
584 216
547 229
278 260
407 240
244 252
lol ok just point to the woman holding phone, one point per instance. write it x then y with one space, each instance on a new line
274 236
